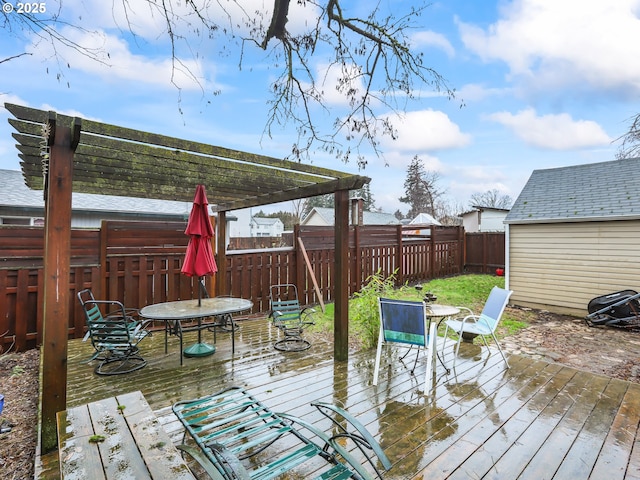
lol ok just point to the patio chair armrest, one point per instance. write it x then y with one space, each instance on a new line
307 315
199 456
329 442
465 309
470 319
362 438
477 319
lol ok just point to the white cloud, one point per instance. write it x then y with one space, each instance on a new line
425 130
589 43
556 132
432 39
474 92
121 64
399 161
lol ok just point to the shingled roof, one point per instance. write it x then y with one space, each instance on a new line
15 197
591 192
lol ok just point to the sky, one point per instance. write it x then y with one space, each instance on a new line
539 84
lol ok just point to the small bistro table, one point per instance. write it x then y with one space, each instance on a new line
441 312
174 313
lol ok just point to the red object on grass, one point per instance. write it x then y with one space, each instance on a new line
500 272
199 260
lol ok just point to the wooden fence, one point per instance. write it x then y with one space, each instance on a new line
139 264
484 252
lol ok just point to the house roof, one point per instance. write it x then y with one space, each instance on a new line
16 196
265 220
368 218
424 219
591 192
479 208
121 161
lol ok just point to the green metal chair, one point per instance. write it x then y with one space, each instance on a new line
289 317
114 335
237 437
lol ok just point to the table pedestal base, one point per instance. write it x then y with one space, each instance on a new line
199 350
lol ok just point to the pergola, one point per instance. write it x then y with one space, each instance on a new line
61 155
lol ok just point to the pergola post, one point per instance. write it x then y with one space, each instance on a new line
341 277
57 261
221 236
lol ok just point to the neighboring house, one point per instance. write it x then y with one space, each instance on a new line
322 216
266 227
574 234
19 205
241 228
484 219
422 219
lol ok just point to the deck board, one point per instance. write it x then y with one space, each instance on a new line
533 421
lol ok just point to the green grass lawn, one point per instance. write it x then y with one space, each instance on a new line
469 291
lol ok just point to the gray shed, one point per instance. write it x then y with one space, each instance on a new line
573 234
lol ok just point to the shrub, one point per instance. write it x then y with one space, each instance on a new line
364 313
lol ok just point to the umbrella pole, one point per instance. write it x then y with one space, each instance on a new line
199 349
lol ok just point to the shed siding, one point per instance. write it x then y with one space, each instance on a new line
491 221
561 266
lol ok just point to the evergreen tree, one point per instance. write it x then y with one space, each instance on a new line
420 188
287 218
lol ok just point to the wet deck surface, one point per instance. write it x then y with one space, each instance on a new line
533 421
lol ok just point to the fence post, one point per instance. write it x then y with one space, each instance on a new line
485 267
432 252
462 249
101 291
298 269
399 256
221 283
357 260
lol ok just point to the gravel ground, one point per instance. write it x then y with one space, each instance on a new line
554 338
19 385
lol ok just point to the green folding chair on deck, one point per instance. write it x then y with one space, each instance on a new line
114 334
289 317
237 437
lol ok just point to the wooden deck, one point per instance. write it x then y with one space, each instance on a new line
533 421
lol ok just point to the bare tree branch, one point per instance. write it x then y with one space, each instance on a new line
630 141
378 70
14 56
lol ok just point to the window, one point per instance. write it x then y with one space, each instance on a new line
15 221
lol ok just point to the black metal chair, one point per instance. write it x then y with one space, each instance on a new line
114 335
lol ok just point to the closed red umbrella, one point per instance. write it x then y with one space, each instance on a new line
199 260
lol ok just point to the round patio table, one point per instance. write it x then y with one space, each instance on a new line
184 310
442 312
